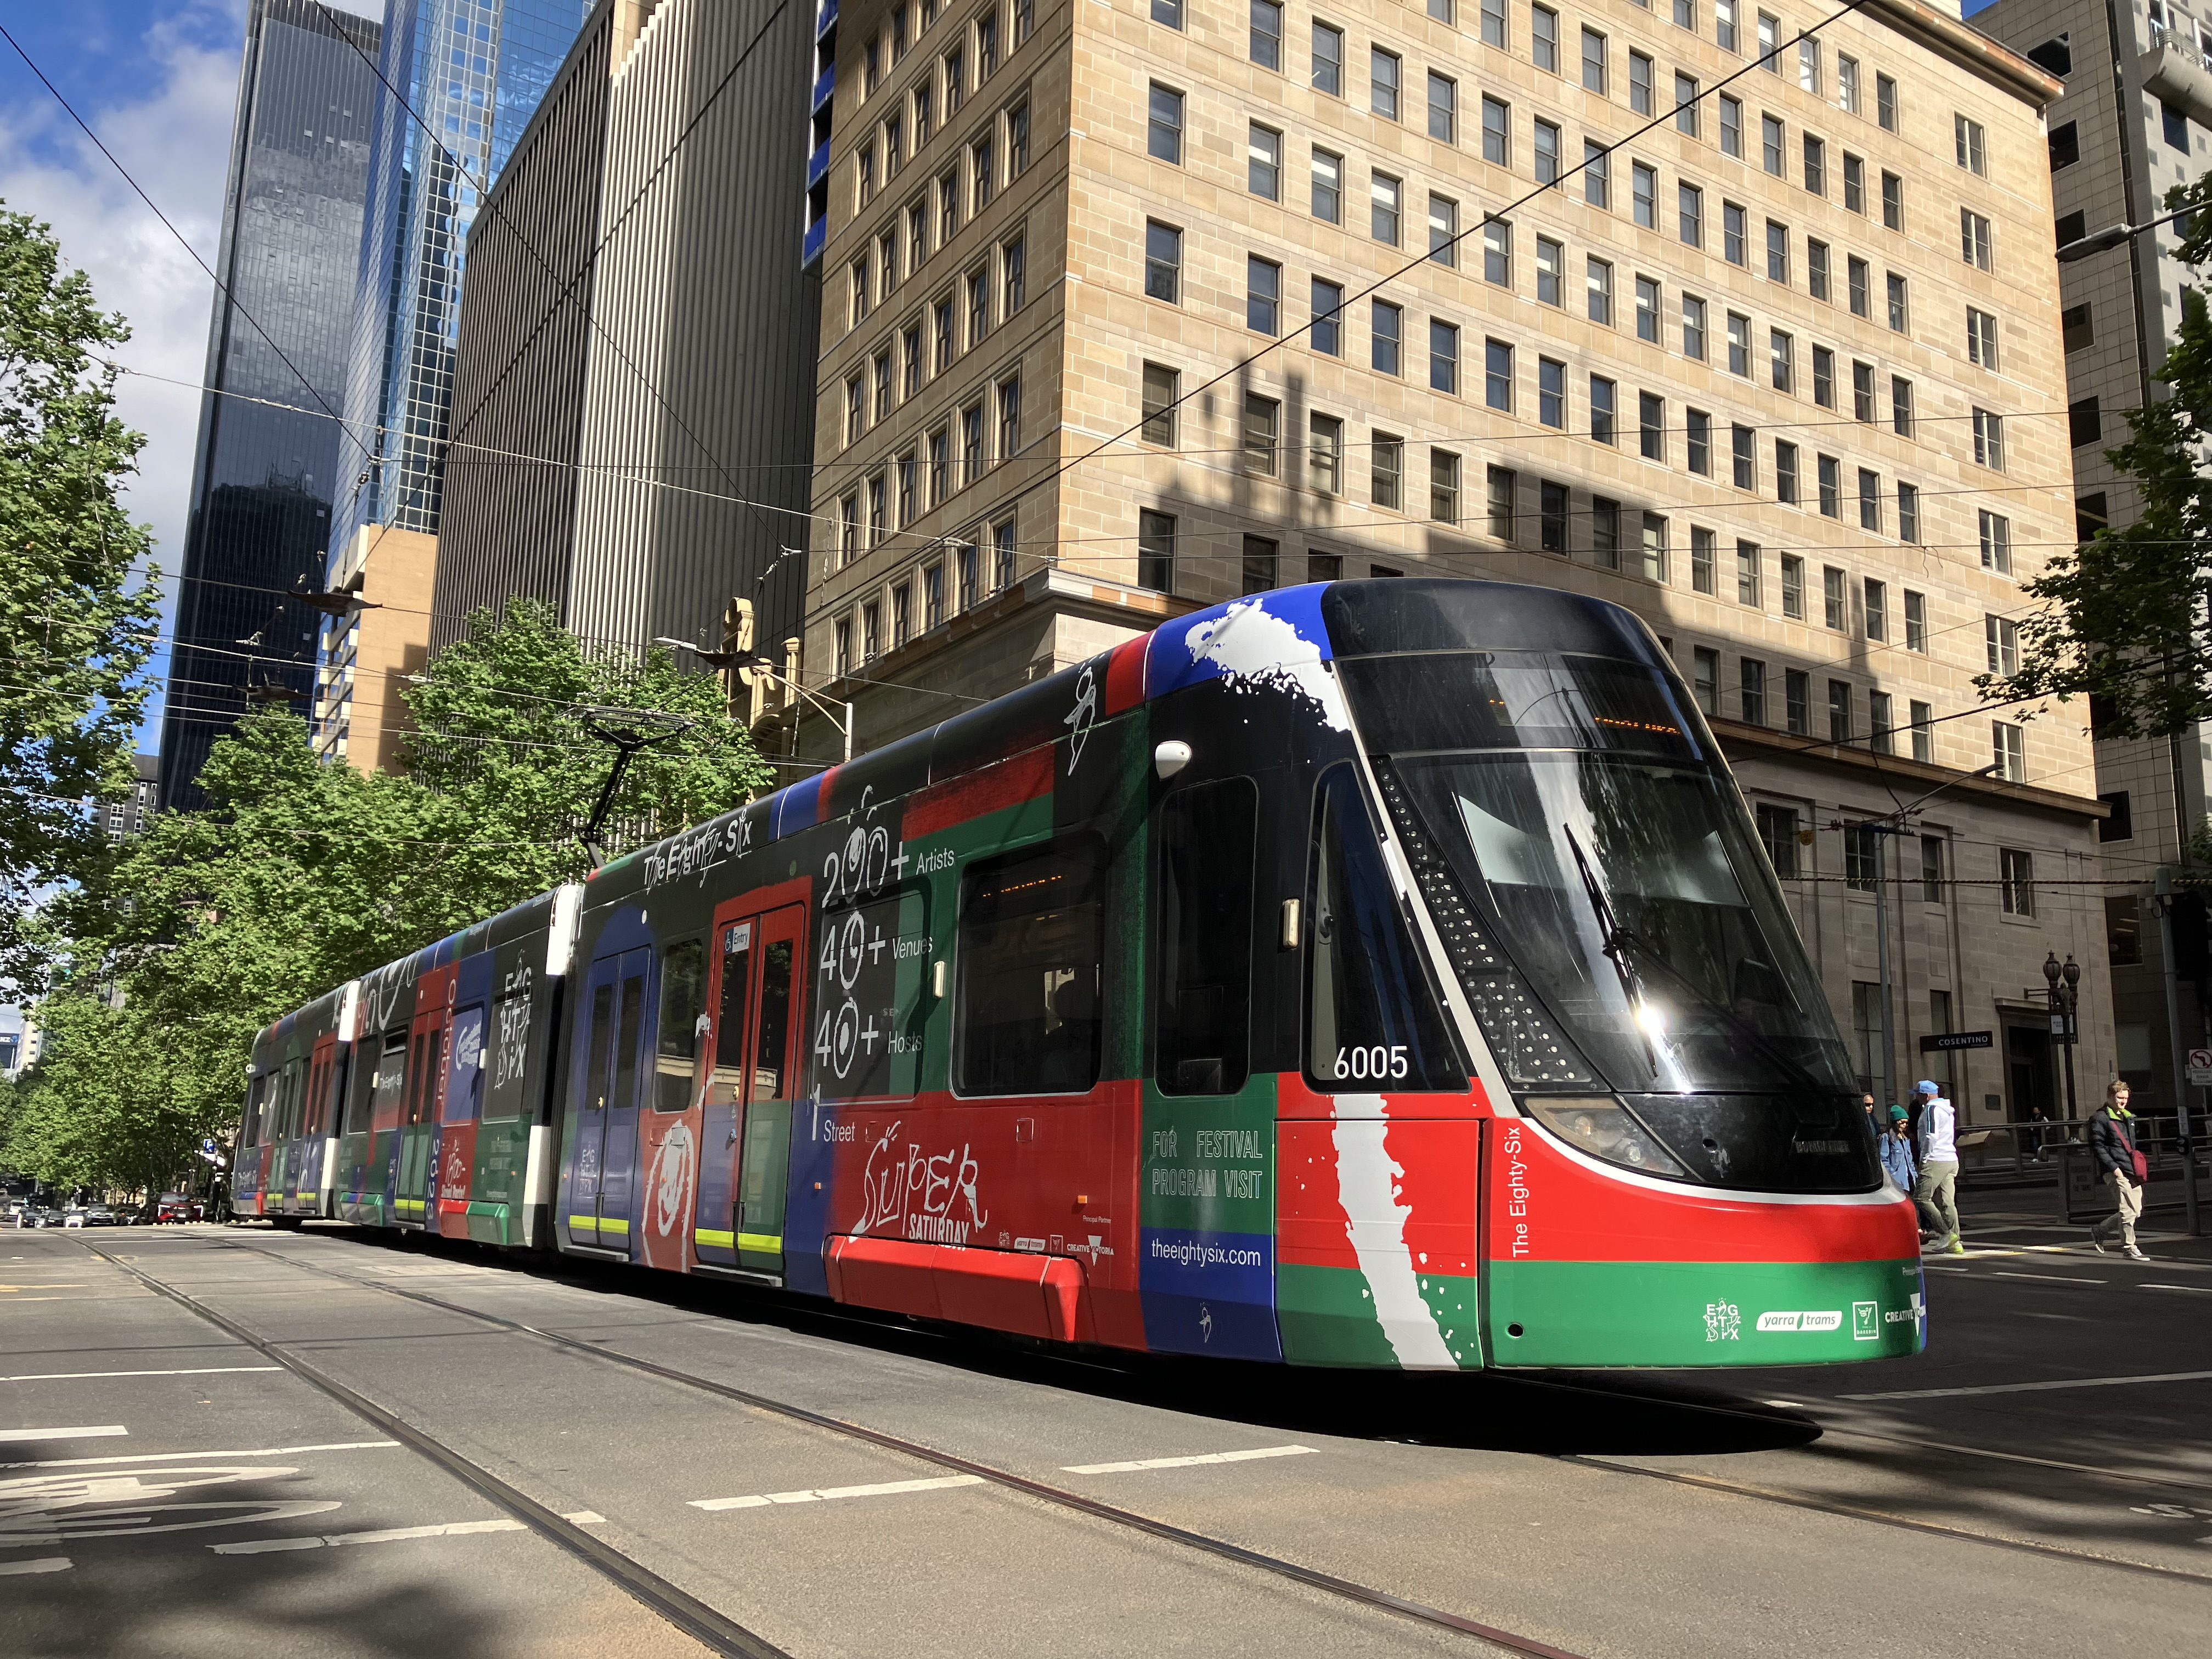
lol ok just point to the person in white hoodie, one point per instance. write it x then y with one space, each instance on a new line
1938 1185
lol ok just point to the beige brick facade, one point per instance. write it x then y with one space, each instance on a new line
1831 610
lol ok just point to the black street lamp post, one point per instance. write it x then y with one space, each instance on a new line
2065 996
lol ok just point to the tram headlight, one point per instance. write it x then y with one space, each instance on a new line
1600 1126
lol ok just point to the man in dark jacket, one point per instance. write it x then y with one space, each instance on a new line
2113 1143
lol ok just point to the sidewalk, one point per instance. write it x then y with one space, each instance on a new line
2001 1223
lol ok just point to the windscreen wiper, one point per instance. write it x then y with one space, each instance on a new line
1614 944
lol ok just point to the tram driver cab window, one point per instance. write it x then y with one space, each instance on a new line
1026 1018
676 1041
1372 1023
1202 929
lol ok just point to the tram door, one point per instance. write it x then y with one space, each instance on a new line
604 1150
418 1129
758 1025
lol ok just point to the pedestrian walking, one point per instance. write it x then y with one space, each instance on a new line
2111 1139
1937 1186
1896 1152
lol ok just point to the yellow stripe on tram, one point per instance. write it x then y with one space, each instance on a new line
615 1224
721 1241
762 1243
583 1223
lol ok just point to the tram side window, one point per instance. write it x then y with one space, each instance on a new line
256 1094
1202 978
633 1016
603 1032
772 1062
387 1082
430 1054
1372 1023
730 1020
506 1060
288 1105
464 1089
1030 946
676 1041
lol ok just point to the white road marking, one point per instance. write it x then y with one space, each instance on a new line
2047 1279
1186 1462
881 1489
2200 1289
43 1564
74 1377
166 1457
388 1535
97 1431
2031 1387
587 1518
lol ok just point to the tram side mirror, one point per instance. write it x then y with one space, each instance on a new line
1171 757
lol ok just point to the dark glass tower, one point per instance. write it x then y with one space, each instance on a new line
472 74
264 479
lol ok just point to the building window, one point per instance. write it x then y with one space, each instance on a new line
1387 336
1724 24
1908 512
1731 126
879 509
1327 186
1444 230
1847 83
1777 252
1013 275
1785 472
1162 390
1443 356
1743 464
1747 574
1900 405
1263 295
1156 539
1550 272
1966 136
1859 287
1839 711
1698 442
1601 409
1262 432
1499 483
1383 83
1551 393
1494 24
1605 532
1163 132
1498 376
1325 455
1816 267
1267 34
1547 151
979 304
1861 870
1835 611
1443 108
1639 82
1751 691
1772 148
1647 309
1693 328
1816 165
2010 749
1885 102
1779 358
1162 261
1387 469
1916 621
1997 541
1497 133
1003 547
1597 174
2085 423
1444 486
1644 194
2001 640
1686 104
1652 426
1262 565
1877 609
971 442
872 632
1544 38
1797 702
1982 339
1830 477
1384 196
940 465
1870 517
1702 579
1808 66
1553 512
1497 252
1598 279
1263 170
1777 834
1327 332
1989 440
1327 59
2016 879
984 171
2077 329
1899 311
1824 377
2120 825
1690 201
1924 731
1739 344
1705 678
1593 62
856 409
1974 238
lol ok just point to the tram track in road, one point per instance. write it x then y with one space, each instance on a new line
1716 1484
696 1617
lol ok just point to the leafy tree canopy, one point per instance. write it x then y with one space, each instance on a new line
301 874
74 631
2122 617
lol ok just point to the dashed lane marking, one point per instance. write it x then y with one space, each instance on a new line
2031 1387
822 1494
140 1457
587 1518
43 1564
78 1376
388 1535
96 1431
2047 1278
1136 1464
2194 1290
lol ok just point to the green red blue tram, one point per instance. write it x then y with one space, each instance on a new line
1362 974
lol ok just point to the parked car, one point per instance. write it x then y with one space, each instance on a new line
74 1216
176 1206
100 1215
37 1215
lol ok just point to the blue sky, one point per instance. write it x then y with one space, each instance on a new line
157 80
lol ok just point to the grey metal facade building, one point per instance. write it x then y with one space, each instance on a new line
461 80
264 473
524 340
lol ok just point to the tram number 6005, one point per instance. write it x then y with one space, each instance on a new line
1378 1064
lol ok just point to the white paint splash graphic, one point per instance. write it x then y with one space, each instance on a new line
1257 651
1370 1183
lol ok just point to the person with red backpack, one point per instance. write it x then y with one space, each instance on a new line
2120 1162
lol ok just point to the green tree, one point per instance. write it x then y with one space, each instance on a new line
75 630
2123 616
301 874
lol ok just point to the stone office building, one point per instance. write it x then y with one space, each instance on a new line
1132 307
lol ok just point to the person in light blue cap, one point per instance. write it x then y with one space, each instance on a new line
1937 1186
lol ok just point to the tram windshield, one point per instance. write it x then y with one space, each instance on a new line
1613 860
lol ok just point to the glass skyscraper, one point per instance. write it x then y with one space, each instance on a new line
472 74
266 474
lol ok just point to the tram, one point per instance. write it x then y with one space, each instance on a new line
1368 974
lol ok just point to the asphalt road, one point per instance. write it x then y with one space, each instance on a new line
166 1488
